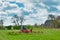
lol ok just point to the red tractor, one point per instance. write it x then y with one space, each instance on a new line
24 30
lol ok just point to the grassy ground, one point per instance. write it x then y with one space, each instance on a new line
38 34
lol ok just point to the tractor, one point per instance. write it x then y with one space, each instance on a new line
25 30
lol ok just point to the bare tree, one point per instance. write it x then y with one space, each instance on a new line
16 19
21 20
1 22
13 21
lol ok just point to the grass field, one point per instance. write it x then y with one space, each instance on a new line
43 34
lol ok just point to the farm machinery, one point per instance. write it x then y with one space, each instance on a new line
25 30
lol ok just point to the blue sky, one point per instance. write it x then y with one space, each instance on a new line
34 11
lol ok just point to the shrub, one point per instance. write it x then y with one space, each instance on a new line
1 27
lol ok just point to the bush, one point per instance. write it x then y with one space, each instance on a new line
8 27
29 27
17 27
1 27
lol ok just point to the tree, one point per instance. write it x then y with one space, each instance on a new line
35 25
21 21
1 22
13 21
53 19
58 21
16 19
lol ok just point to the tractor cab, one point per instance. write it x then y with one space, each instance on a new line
24 27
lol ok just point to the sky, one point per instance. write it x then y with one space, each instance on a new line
34 11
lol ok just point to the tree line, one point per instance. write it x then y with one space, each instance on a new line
18 21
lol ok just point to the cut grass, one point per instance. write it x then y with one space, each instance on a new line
48 34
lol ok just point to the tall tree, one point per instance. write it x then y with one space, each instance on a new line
21 21
1 22
53 19
13 21
16 18
58 21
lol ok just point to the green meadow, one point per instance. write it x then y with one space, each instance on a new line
37 34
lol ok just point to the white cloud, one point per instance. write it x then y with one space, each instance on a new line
58 7
11 0
8 21
39 17
13 5
42 4
5 4
56 0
